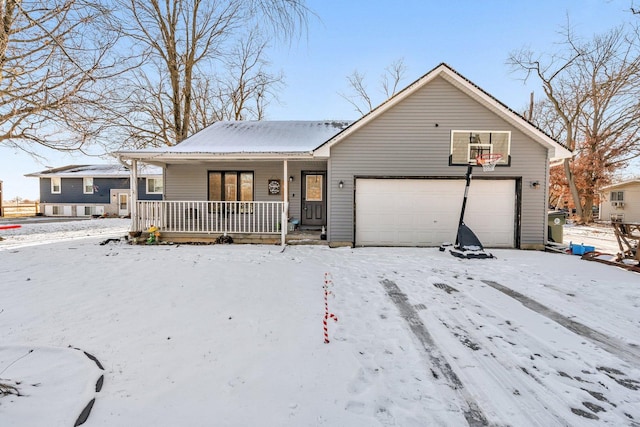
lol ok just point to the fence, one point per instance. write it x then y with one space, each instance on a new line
20 210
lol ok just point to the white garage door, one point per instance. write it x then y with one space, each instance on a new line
425 212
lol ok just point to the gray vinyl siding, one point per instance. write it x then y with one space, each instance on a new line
412 139
189 182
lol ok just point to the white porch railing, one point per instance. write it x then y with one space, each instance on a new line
212 217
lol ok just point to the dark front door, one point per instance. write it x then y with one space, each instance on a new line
314 199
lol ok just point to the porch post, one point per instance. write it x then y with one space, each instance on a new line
133 185
285 205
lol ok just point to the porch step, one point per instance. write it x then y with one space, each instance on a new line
305 237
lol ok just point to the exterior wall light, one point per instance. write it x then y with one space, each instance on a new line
291 178
341 184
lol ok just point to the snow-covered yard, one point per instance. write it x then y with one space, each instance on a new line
231 335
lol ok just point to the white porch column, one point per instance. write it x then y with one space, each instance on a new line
133 185
284 222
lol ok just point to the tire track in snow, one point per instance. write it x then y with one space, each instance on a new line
610 344
545 368
538 408
473 414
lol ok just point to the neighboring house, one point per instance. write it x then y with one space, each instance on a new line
93 190
395 177
621 202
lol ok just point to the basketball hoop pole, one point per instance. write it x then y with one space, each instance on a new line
466 193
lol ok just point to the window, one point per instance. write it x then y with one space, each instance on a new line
313 188
56 210
92 210
467 145
231 186
617 196
87 185
56 186
154 186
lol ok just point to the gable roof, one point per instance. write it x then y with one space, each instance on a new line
443 70
621 184
96 171
247 139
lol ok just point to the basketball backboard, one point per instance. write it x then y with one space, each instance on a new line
466 146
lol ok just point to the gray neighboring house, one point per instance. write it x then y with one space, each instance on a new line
94 190
395 177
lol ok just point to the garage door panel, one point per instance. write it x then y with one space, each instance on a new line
406 212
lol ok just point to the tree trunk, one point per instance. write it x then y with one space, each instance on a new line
573 188
587 210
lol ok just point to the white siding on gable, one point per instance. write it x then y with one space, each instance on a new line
412 139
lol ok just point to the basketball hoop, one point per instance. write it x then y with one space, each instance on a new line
488 161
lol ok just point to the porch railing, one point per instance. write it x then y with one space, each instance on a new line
212 217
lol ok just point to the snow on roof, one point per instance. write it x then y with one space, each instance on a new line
106 170
622 183
260 137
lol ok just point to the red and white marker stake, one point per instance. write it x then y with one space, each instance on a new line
327 315
8 227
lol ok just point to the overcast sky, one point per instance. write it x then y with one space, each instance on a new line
473 37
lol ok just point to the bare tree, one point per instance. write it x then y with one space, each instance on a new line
242 91
360 97
190 44
53 57
592 88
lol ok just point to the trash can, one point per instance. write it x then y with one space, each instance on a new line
556 219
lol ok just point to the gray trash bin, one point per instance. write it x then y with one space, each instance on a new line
557 219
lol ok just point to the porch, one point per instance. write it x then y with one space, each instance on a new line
204 221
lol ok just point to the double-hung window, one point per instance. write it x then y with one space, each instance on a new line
56 185
617 196
87 185
154 186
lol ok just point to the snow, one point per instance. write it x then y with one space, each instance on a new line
232 335
257 137
97 171
599 236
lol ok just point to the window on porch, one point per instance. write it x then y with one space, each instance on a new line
231 186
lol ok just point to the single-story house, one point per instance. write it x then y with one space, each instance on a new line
395 177
621 201
91 190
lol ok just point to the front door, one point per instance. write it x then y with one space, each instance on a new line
314 195
123 204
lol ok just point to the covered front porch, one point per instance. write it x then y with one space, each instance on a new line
240 179
247 222
190 213
212 218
